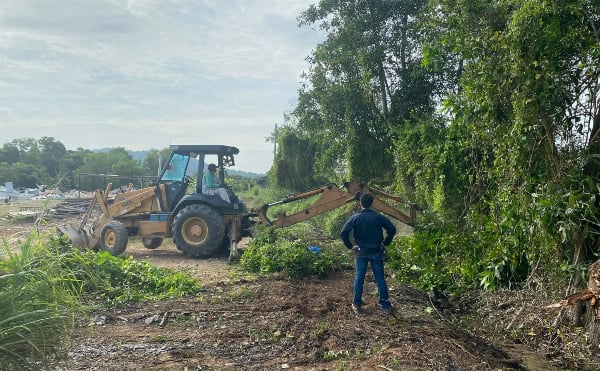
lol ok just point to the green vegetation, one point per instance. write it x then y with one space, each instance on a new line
122 280
287 251
484 113
38 297
47 282
28 162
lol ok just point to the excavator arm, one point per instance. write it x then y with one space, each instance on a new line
331 197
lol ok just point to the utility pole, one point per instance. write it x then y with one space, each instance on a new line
159 164
275 135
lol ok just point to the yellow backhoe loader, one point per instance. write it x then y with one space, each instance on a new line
199 222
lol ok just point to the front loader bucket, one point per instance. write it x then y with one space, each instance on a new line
78 235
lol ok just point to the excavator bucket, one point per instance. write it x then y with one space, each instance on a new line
79 235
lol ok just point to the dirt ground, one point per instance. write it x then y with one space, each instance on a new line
264 324
242 322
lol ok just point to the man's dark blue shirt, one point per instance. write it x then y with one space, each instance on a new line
368 229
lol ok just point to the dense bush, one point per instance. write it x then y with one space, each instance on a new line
122 280
448 256
335 219
38 295
292 252
48 281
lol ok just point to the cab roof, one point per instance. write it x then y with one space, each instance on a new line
204 149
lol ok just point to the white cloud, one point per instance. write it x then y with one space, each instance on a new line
5 113
142 73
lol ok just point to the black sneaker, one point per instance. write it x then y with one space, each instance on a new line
388 311
356 308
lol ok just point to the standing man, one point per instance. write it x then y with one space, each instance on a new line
368 227
211 184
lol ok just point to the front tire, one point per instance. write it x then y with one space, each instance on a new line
114 237
198 230
152 242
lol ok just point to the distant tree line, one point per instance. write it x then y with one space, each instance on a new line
29 162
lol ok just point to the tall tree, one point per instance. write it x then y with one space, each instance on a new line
52 152
99 166
346 104
69 165
155 160
9 153
20 174
293 168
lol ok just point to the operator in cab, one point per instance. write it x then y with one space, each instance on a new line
211 184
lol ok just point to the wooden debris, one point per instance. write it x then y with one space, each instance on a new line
164 318
592 293
70 208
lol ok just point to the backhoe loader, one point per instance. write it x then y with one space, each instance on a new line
199 223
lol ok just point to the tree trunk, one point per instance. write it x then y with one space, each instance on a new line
576 283
591 316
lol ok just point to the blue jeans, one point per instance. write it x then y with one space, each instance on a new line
362 263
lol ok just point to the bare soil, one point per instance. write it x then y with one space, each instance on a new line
251 323
242 322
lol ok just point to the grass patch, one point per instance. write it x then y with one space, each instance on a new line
45 282
124 280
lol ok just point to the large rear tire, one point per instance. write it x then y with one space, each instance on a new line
198 230
114 237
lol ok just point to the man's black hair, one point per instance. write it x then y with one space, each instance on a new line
366 200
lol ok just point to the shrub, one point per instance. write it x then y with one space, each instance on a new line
39 293
288 252
44 285
335 219
121 280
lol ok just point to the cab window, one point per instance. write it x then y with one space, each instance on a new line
175 170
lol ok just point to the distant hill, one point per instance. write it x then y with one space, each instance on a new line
137 155
140 155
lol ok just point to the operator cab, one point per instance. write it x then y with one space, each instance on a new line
188 163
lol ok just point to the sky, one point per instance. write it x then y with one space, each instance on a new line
143 74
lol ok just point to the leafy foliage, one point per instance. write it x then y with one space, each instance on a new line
123 280
287 251
28 162
357 92
334 220
293 167
489 113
